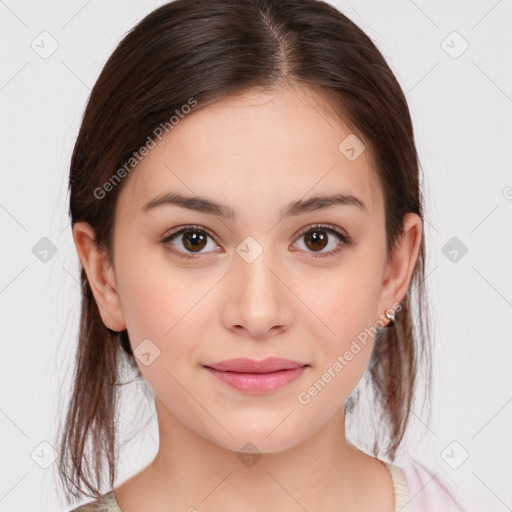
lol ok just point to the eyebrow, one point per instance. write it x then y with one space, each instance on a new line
208 206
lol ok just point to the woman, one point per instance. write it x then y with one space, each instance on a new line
244 195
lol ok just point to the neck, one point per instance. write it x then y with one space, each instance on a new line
194 472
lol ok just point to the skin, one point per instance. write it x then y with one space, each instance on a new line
255 153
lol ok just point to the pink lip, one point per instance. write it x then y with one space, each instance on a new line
241 365
256 376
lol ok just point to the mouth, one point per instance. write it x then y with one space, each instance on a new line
251 376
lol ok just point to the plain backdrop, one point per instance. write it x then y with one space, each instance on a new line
452 60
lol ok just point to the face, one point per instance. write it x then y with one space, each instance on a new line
262 282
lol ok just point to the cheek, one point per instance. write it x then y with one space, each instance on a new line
163 317
166 305
345 301
154 294
344 329
341 360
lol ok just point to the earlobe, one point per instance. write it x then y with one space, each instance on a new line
400 266
100 275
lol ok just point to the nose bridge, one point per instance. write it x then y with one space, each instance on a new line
253 268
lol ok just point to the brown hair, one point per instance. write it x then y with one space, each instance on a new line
208 50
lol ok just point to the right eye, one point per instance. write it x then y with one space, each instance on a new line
192 240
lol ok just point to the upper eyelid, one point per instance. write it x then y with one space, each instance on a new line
174 232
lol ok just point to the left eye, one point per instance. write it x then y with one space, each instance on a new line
317 238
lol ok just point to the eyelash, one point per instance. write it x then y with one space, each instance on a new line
345 239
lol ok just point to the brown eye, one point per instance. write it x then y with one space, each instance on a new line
193 240
188 241
317 238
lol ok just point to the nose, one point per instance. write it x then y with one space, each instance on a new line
258 304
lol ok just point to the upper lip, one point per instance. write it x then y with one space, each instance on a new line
242 365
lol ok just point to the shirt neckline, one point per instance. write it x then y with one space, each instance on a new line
402 497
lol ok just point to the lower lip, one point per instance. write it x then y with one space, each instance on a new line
258 382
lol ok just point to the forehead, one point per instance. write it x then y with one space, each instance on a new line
270 146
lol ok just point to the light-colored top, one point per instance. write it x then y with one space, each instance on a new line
401 490
426 491
416 490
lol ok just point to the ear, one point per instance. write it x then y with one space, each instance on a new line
399 267
100 275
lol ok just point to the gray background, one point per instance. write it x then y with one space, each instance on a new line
461 103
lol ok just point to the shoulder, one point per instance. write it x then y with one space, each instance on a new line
105 503
429 490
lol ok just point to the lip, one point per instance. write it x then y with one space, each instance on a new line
252 376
